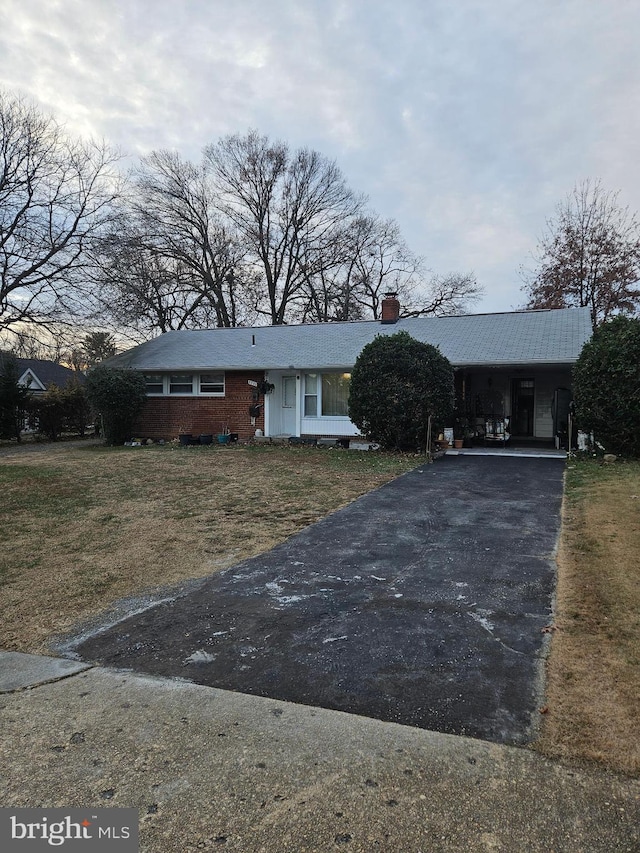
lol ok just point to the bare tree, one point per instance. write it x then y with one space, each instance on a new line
145 290
365 259
385 263
30 342
589 256
173 261
56 197
331 288
286 207
55 342
376 259
444 296
256 232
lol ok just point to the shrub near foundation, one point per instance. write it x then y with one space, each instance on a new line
606 381
396 384
117 397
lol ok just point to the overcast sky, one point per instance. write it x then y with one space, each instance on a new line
467 121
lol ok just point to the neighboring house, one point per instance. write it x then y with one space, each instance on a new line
37 374
513 365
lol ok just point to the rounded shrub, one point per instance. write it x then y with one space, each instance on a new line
606 386
396 384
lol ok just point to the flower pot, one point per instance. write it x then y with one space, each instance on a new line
206 438
185 438
457 443
223 438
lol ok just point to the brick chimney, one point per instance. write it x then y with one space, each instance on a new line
390 308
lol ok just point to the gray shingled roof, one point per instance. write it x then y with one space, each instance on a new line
523 337
47 372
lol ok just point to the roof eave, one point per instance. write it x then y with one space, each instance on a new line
532 362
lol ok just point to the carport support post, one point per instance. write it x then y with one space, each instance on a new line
570 431
428 448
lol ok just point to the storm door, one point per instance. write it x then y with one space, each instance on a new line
522 406
289 398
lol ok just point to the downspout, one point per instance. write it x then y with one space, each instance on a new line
299 404
267 408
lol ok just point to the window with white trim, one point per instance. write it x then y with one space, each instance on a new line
206 384
154 383
335 395
212 383
310 395
326 395
181 383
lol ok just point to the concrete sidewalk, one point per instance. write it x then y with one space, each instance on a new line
213 769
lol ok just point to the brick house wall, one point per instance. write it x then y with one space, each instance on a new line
164 417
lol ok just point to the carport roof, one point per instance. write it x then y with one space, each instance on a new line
520 337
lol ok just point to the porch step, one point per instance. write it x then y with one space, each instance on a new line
270 439
531 453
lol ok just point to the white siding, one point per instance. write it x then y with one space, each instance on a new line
328 426
281 420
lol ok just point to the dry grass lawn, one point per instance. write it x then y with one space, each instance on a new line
593 677
83 527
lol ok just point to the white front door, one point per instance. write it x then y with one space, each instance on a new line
289 396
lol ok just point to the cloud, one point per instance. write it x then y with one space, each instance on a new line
466 121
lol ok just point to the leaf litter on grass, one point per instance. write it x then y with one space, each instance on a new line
85 527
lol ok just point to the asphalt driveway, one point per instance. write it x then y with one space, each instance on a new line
421 603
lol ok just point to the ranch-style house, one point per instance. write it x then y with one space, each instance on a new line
513 374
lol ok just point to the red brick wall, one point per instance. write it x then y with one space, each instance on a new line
163 417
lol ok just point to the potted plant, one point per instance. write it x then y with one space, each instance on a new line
461 428
265 387
469 432
184 434
441 442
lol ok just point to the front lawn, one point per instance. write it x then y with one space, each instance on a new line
593 676
83 527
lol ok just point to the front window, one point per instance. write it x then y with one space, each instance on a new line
335 394
181 383
311 395
154 383
326 395
185 383
212 383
